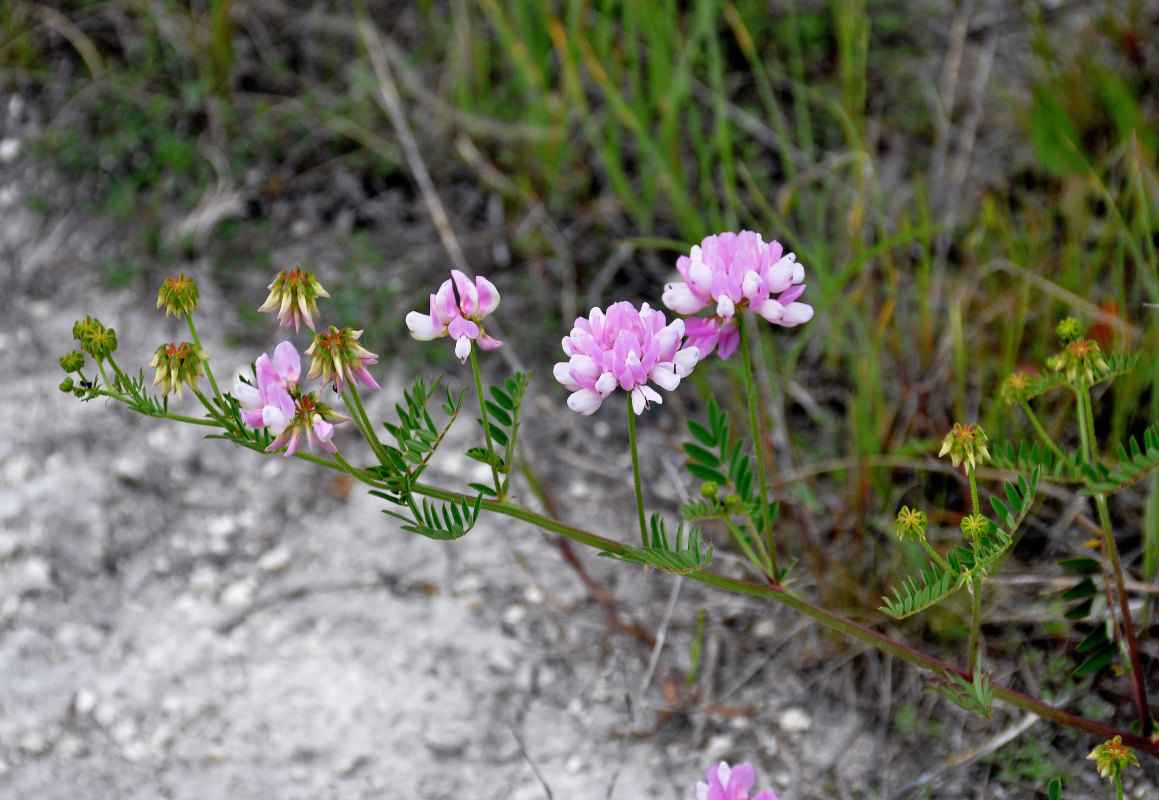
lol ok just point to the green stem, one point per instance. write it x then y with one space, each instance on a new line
1084 435
974 504
1042 431
975 658
934 555
208 369
486 423
1118 785
362 421
636 471
822 616
755 434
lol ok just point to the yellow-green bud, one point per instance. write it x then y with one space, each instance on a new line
732 500
1068 329
95 339
1079 361
974 526
67 384
910 524
72 361
709 489
1016 388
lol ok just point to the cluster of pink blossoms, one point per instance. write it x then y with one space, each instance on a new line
624 348
730 783
456 310
277 403
734 271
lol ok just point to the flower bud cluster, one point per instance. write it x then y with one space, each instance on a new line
1080 361
294 295
178 295
178 365
965 443
1016 389
95 339
911 524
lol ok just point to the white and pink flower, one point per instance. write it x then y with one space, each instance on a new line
278 404
733 271
623 348
456 311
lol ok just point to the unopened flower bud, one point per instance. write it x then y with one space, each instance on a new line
910 524
177 365
965 443
72 362
974 526
1016 388
732 501
1112 757
67 384
178 295
1069 329
709 489
336 356
95 339
1079 361
293 294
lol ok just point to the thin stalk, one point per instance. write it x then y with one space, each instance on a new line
124 379
934 555
1041 431
755 434
975 588
362 421
822 616
636 471
1138 680
486 424
1111 553
208 369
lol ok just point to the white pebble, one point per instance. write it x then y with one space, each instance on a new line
9 150
795 721
85 701
514 614
275 560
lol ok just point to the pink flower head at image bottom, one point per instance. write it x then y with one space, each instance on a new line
276 403
623 348
456 311
731 271
730 783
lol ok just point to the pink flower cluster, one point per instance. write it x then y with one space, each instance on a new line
456 310
730 783
733 271
625 348
277 403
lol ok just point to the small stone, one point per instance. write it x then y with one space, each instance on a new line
275 560
9 607
718 747
130 468
35 743
573 765
501 661
794 720
9 544
514 614
9 150
221 527
447 740
105 714
85 701
533 594
238 594
37 575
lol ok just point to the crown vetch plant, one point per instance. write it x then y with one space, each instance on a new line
736 276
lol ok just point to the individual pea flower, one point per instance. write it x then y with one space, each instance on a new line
294 294
336 356
178 295
178 365
72 361
1080 360
1112 757
911 524
1016 388
975 525
1068 329
278 404
456 309
281 372
95 339
730 783
734 271
625 348
965 443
